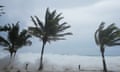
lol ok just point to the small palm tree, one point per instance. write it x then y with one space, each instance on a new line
15 39
109 36
51 30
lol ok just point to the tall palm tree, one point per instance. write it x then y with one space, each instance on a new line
109 36
49 31
15 39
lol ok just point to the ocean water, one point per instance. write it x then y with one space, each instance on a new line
61 63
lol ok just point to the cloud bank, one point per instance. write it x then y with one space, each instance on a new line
84 18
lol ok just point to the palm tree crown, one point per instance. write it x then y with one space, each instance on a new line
51 30
15 39
109 36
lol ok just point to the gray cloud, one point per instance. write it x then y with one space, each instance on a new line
83 15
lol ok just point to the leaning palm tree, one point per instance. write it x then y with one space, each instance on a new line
15 39
49 31
109 36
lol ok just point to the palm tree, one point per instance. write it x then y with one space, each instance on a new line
109 36
15 39
49 31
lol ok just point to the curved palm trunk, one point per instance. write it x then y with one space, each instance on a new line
11 55
41 58
10 60
103 59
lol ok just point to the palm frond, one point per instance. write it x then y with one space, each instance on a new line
47 16
5 28
40 23
109 36
55 39
101 26
3 41
1 6
110 29
64 34
58 16
51 29
35 31
113 44
53 13
63 24
63 28
13 33
96 37
23 33
34 21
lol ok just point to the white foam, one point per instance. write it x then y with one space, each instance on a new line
63 63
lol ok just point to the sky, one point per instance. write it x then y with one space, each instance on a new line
84 16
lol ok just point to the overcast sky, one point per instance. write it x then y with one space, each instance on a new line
84 16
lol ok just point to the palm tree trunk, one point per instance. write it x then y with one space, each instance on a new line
11 56
41 58
103 59
10 60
